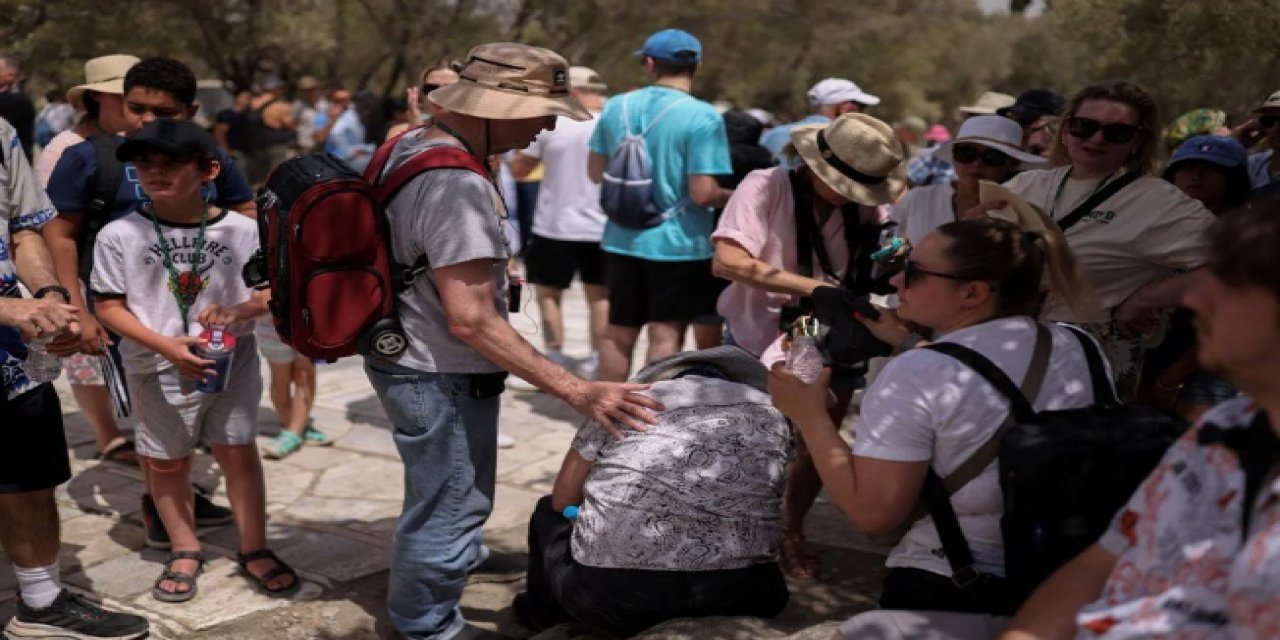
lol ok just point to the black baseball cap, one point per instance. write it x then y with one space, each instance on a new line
1035 103
171 137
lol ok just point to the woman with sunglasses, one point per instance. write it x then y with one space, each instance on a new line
1130 230
977 283
440 74
986 148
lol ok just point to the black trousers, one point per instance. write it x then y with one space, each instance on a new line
919 590
625 602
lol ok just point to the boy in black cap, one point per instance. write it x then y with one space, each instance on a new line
1037 110
161 275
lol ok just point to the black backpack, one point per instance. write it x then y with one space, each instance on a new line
105 182
1063 474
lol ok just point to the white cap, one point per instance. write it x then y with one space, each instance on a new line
838 90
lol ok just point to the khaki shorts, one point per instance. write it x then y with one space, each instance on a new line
172 422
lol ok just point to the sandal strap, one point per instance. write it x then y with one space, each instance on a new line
281 569
277 571
175 576
185 555
260 554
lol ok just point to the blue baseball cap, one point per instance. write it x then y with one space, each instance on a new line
1223 151
672 45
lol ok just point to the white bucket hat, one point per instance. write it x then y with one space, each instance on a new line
993 132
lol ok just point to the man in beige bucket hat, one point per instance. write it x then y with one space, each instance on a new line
442 392
100 101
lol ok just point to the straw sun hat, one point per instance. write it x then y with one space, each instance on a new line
511 81
857 155
104 74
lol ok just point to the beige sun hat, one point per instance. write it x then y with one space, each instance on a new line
587 79
104 74
1272 102
511 81
857 155
989 103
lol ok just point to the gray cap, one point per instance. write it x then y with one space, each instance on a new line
738 365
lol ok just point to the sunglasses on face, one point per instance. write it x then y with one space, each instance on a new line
1266 122
912 272
968 153
1114 133
428 87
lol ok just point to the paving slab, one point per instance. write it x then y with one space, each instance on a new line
356 479
338 558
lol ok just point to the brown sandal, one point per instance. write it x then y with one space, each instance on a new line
264 581
165 595
797 561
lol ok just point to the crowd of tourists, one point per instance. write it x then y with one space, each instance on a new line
1074 261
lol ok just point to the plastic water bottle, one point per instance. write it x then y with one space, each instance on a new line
804 359
42 366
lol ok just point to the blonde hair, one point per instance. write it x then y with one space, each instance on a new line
1145 110
1015 262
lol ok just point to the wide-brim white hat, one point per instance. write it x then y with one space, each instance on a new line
994 132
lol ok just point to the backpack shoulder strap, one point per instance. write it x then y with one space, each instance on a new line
1108 190
443 157
1104 393
664 111
107 176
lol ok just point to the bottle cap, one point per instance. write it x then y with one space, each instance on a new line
570 512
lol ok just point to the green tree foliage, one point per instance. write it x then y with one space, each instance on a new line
921 56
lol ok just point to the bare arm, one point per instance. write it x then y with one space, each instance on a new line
114 312
522 166
706 192
733 262
1051 611
32 260
467 292
1138 313
569 482
877 495
595 167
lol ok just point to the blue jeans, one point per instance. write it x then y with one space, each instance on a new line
448 442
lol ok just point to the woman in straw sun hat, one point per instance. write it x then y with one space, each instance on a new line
986 148
442 392
851 168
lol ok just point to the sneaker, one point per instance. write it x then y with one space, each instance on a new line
589 367
207 513
505 441
73 617
286 444
316 437
157 535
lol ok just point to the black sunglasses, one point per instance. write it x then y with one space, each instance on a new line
1266 122
967 153
428 87
912 272
1115 133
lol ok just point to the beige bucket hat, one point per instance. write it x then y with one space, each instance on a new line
989 103
857 155
587 79
104 74
511 81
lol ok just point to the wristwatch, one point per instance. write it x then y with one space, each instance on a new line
53 288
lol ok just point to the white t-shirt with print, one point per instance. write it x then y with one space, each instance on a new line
128 262
568 201
922 210
926 405
1146 232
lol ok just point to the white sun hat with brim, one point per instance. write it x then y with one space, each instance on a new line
989 103
511 81
856 155
993 132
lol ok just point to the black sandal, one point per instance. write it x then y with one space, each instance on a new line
164 595
263 581
120 453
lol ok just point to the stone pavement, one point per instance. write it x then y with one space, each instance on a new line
332 511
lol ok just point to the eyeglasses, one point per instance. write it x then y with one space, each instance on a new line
912 272
968 153
1266 122
1114 133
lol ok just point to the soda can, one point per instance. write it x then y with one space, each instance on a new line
218 345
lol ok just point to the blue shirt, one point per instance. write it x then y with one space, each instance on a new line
927 170
777 138
688 140
346 140
71 184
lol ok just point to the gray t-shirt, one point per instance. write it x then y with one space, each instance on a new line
453 216
699 491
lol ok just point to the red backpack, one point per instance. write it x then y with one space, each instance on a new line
326 251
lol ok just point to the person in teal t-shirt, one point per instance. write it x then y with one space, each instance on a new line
661 277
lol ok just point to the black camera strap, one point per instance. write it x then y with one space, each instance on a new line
809 240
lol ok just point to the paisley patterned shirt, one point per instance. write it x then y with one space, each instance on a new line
1186 568
699 491
23 205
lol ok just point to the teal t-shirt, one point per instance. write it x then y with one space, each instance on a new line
688 140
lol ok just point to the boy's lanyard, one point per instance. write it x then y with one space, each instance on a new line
185 290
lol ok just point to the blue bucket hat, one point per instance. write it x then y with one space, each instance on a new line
672 45
1220 150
